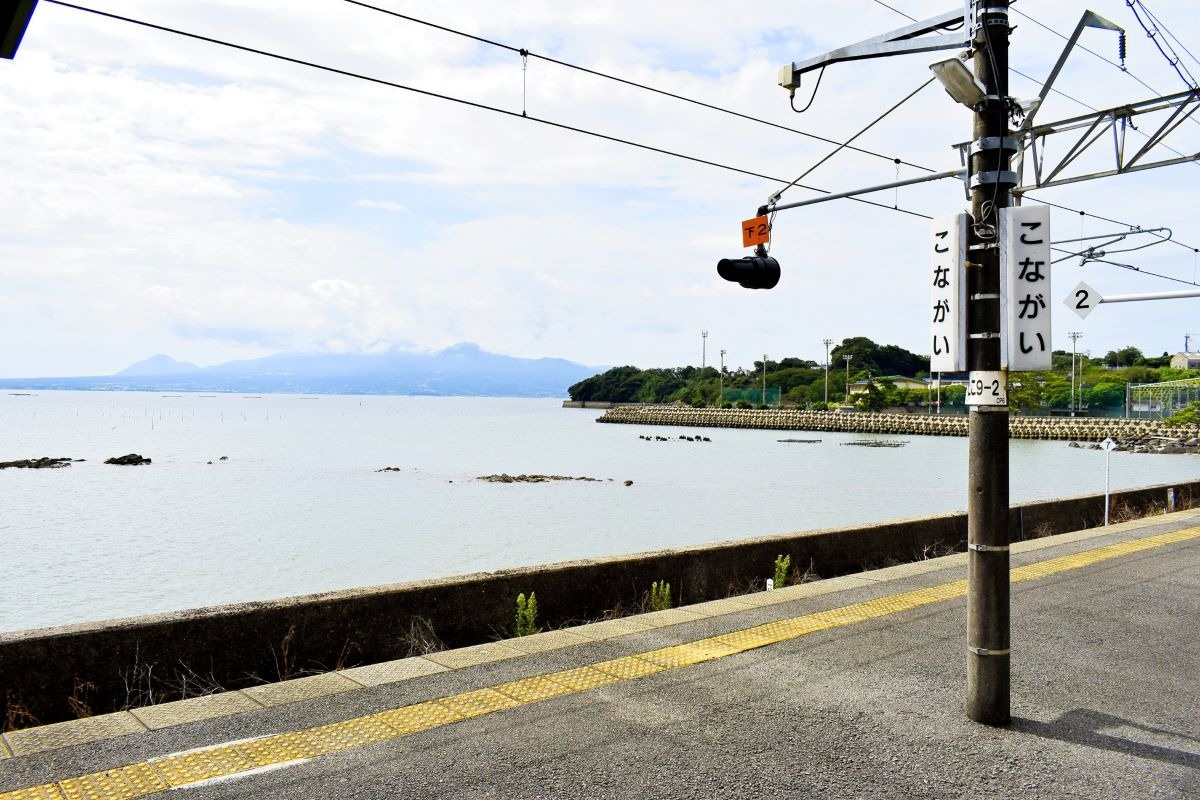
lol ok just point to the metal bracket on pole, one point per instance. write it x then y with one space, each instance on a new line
1090 19
909 39
983 651
825 198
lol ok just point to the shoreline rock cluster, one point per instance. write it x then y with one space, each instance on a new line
129 460
39 463
1130 433
506 478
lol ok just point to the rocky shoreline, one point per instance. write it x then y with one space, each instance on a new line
1133 435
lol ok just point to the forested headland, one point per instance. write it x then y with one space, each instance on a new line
1100 383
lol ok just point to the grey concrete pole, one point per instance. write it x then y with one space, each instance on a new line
827 342
987 449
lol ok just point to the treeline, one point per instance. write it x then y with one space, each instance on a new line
1100 384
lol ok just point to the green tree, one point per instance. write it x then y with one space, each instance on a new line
1125 357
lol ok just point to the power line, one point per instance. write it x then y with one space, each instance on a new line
1172 57
513 114
1168 32
461 101
1086 49
893 8
525 53
1075 100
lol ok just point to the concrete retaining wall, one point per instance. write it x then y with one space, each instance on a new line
246 644
1078 429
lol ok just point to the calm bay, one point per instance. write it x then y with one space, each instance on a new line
299 505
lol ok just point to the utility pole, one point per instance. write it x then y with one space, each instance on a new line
1075 336
703 348
847 359
721 381
988 624
764 379
827 342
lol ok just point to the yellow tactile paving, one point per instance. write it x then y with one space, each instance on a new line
47 791
135 780
677 656
531 690
200 765
584 678
422 716
628 668
159 774
478 702
750 639
279 749
357 732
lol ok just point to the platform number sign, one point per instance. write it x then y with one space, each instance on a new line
948 294
1082 300
1025 260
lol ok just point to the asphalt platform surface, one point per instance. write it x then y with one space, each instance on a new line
848 688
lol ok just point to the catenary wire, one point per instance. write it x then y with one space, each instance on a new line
1075 100
505 112
775 197
673 95
1171 57
618 79
1169 33
463 102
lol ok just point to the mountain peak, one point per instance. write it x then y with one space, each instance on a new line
159 364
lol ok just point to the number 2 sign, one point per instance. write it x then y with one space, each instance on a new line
1082 300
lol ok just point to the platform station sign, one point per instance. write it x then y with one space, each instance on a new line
1025 261
948 293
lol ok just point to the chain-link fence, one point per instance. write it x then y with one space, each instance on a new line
754 397
1161 400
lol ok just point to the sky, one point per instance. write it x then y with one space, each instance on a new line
168 195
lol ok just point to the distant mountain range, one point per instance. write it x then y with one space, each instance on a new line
463 369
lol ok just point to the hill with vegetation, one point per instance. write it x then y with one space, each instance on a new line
1100 383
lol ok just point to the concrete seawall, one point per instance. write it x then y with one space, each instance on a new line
52 673
1078 429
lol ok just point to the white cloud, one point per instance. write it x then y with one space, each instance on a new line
382 205
171 195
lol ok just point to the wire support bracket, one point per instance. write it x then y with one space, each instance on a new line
984 651
988 548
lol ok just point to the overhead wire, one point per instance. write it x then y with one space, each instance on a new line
682 98
547 122
616 78
461 101
1059 206
1172 57
1169 33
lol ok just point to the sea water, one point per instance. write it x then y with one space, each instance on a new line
259 497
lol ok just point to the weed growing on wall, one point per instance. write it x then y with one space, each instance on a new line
782 565
660 596
527 615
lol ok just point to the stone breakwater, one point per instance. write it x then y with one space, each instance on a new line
1128 433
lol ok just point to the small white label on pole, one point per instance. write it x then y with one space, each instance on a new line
1025 260
1083 299
1109 445
948 294
986 388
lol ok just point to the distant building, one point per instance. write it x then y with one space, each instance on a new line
900 382
1189 360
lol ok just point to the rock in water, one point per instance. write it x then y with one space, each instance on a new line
37 463
132 459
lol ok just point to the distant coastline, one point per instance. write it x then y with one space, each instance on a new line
463 370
